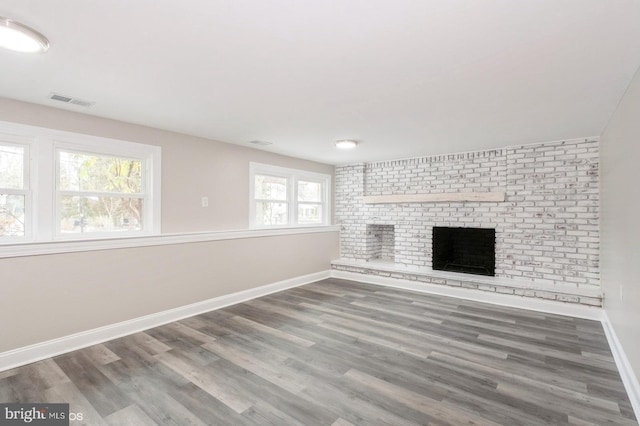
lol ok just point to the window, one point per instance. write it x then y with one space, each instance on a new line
98 193
288 197
58 186
14 189
310 202
271 200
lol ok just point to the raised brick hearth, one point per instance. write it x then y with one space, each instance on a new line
547 235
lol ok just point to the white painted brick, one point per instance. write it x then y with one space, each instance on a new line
551 212
590 301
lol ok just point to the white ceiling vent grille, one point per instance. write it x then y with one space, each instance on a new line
261 143
70 100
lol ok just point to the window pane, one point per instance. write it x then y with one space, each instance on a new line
88 172
309 213
309 191
100 214
271 188
11 215
11 167
268 213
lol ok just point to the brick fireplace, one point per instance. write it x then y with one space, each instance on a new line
546 229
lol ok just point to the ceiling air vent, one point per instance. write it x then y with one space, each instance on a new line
261 143
70 100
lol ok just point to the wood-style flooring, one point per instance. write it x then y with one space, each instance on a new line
340 353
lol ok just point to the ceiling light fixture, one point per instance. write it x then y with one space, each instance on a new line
19 37
346 144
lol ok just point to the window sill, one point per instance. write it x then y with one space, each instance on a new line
57 247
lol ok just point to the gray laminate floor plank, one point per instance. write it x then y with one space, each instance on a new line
206 407
341 353
101 392
78 403
129 416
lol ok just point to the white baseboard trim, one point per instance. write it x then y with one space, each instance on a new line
39 351
530 303
624 366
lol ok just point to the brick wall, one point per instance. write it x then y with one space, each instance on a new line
546 230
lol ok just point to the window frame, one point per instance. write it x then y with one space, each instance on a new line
44 147
59 193
293 176
287 200
322 203
27 166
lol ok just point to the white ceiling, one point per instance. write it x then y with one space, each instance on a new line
406 78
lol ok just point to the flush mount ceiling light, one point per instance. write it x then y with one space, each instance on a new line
346 144
19 37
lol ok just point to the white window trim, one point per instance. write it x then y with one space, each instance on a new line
43 146
292 176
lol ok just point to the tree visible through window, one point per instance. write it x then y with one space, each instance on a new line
99 193
13 191
271 200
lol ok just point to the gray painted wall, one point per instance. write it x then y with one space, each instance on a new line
45 297
620 227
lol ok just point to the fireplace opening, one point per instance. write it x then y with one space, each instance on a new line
381 242
468 250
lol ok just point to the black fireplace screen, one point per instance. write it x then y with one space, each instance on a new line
469 250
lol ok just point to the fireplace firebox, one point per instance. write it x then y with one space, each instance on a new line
468 250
